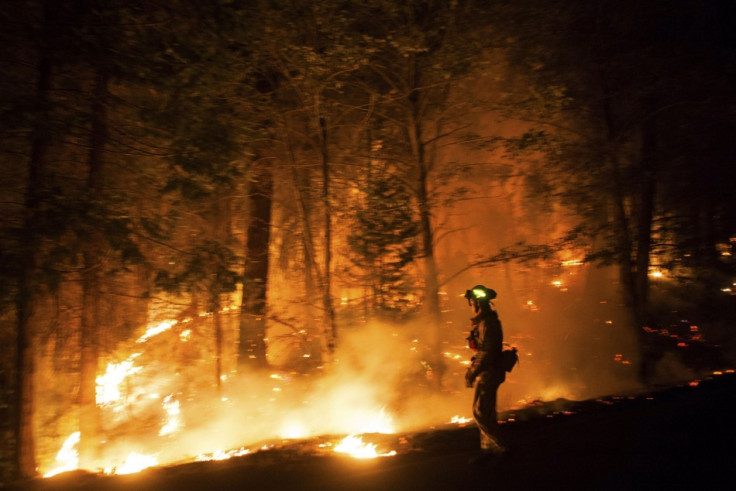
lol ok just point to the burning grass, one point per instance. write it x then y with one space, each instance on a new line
158 411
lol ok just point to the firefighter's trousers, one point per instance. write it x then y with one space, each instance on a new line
484 409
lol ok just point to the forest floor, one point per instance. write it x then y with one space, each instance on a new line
680 437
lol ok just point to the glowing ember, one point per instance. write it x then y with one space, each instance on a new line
453 356
355 447
460 420
68 456
619 358
573 262
222 455
531 305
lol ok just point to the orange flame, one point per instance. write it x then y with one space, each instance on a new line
355 447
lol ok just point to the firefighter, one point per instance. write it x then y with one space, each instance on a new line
485 370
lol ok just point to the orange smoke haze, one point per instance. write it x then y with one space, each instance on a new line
565 318
376 384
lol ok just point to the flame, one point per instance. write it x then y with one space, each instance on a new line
68 456
68 459
108 385
152 331
115 386
134 462
171 406
355 447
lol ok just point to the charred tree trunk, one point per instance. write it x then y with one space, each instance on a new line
89 418
301 183
622 233
330 325
24 411
217 320
645 211
431 283
624 255
252 350
221 223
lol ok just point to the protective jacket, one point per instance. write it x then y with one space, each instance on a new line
490 344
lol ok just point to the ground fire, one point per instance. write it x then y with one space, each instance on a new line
287 406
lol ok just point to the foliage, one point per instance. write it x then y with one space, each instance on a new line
621 98
384 243
208 269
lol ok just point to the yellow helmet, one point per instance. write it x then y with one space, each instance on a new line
480 293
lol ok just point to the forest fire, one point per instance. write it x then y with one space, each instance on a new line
128 387
159 410
113 393
188 424
279 407
68 460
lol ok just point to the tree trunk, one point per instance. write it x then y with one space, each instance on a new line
431 283
25 449
89 421
252 349
431 286
25 445
217 321
647 192
329 311
311 269
89 417
221 230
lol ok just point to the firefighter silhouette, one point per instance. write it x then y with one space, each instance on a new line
485 371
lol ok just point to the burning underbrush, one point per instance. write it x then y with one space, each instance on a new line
159 410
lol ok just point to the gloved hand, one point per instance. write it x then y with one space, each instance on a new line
469 378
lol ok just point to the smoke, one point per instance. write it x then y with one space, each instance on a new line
376 384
